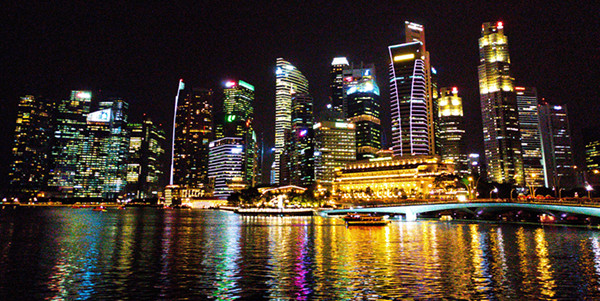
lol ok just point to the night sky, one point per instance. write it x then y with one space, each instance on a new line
140 51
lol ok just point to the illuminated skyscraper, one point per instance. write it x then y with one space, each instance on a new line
193 132
362 107
103 166
145 159
289 80
239 116
67 148
591 138
336 85
225 165
410 95
31 150
451 122
501 135
335 146
302 172
556 146
531 144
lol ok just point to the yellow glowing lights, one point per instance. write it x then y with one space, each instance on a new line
404 57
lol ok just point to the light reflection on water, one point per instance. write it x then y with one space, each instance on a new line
63 254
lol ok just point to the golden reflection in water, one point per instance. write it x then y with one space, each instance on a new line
498 258
477 258
523 255
596 250
544 268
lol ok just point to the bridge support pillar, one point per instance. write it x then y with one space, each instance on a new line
411 216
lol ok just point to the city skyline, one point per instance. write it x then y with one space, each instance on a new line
453 53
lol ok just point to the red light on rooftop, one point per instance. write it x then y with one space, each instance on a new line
519 88
454 89
500 24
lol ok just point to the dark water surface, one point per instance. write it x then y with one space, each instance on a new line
148 254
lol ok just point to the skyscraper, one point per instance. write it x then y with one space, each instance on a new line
289 80
225 165
193 132
501 136
336 84
335 146
145 159
67 148
451 123
529 124
239 116
31 150
556 146
362 107
410 95
302 171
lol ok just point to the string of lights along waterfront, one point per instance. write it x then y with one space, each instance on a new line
84 147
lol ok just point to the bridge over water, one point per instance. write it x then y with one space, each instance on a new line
411 210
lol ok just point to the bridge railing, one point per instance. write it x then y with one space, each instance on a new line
584 202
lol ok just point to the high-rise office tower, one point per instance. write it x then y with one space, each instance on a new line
102 163
239 114
501 135
226 160
451 123
288 80
31 150
531 144
410 95
362 107
336 84
556 146
335 146
193 132
301 166
145 159
67 148
591 139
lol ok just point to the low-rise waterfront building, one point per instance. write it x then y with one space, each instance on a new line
389 179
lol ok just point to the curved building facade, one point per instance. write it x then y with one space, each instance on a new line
288 80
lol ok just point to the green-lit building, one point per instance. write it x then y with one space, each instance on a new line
238 122
31 149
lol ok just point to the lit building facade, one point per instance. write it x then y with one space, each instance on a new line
411 95
239 117
68 146
501 135
193 132
302 170
591 138
362 106
451 126
226 165
145 161
389 179
529 123
288 80
103 164
31 150
559 170
336 84
335 146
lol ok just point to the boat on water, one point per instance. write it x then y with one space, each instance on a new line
356 219
99 208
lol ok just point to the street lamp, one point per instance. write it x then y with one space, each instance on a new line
531 185
589 189
495 190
